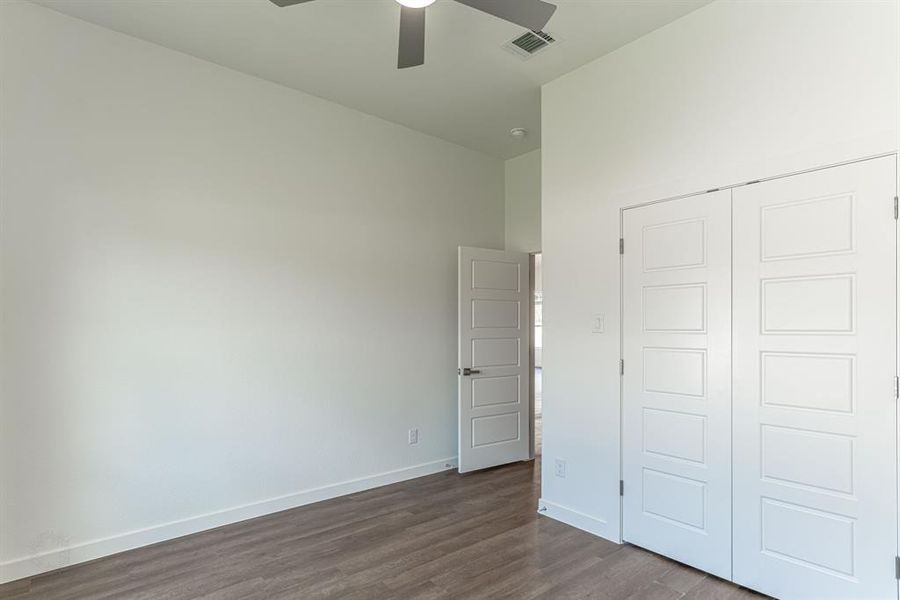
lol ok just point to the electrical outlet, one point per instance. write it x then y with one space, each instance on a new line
560 468
413 436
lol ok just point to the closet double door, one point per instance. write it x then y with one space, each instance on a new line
759 400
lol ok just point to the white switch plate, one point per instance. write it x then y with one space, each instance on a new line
598 323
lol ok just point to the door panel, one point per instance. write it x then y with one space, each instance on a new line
677 381
494 411
815 501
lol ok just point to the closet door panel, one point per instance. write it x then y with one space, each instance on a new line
815 468
677 381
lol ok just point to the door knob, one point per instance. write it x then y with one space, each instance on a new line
468 371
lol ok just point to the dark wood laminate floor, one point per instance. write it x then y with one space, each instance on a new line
439 537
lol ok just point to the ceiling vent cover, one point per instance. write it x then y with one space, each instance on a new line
530 43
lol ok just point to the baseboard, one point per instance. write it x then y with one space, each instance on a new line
576 519
36 564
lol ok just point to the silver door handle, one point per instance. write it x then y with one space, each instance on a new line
468 371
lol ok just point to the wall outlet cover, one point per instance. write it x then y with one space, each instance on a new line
560 468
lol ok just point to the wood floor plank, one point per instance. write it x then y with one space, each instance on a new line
442 537
682 578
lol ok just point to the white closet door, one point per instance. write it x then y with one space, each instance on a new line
815 467
677 381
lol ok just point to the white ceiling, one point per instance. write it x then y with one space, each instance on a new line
470 91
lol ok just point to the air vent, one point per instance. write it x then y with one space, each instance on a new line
530 43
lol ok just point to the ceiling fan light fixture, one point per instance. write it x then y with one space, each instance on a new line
416 3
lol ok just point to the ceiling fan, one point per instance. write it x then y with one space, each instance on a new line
531 14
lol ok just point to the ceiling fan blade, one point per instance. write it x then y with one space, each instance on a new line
283 3
531 14
411 52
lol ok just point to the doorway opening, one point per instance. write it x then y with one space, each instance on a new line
537 302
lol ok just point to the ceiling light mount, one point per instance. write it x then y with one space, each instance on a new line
416 3
518 132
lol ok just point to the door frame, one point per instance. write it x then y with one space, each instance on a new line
531 401
532 277
632 205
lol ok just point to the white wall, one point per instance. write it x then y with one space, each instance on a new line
218 294
523 202
732 92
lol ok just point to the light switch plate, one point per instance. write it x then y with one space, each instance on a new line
598 323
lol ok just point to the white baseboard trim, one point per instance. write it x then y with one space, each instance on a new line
576 519
29 566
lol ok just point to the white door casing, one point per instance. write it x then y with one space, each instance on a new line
494 333
815 469
677 380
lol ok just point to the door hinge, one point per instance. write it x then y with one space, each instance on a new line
621 245
621 366
621 487
897 567
896 388
896 207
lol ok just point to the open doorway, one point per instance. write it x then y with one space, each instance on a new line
537 300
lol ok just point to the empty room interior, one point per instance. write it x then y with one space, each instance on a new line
449 299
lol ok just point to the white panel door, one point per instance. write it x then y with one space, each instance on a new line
677 381
494 411
815 468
